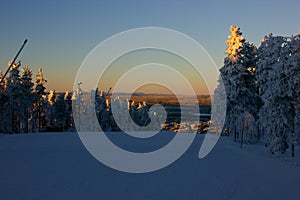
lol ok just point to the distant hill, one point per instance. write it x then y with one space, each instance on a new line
165 99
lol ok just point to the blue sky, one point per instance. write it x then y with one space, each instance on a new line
62 33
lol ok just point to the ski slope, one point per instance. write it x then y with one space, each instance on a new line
57 166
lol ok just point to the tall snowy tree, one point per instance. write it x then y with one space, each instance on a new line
69 118
13 90
40 100
103 111
60 112
27 100
217 109
50 110
3 102
292 71
239 81
78 106
275 115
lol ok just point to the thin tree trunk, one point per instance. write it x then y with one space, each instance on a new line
234 133
243 129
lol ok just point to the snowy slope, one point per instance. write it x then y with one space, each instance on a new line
57 166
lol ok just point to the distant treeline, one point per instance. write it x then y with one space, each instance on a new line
26 107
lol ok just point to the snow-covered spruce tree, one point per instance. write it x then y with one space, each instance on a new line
40 101
144 118
275 115
239 81
217 109
78 106
69 118
60 113
292 72
27 100
50 110
103 111
235 42
134 113
92 123
119 107
3 101
12 108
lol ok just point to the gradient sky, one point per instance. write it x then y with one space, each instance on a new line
62 33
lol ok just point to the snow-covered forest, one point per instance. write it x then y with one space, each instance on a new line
262 87
27 107
263 91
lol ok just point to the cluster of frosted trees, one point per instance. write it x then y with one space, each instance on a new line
96 103
263 91
26 107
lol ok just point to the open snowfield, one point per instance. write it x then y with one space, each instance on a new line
57 166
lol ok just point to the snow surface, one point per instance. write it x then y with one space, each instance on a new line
57 166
